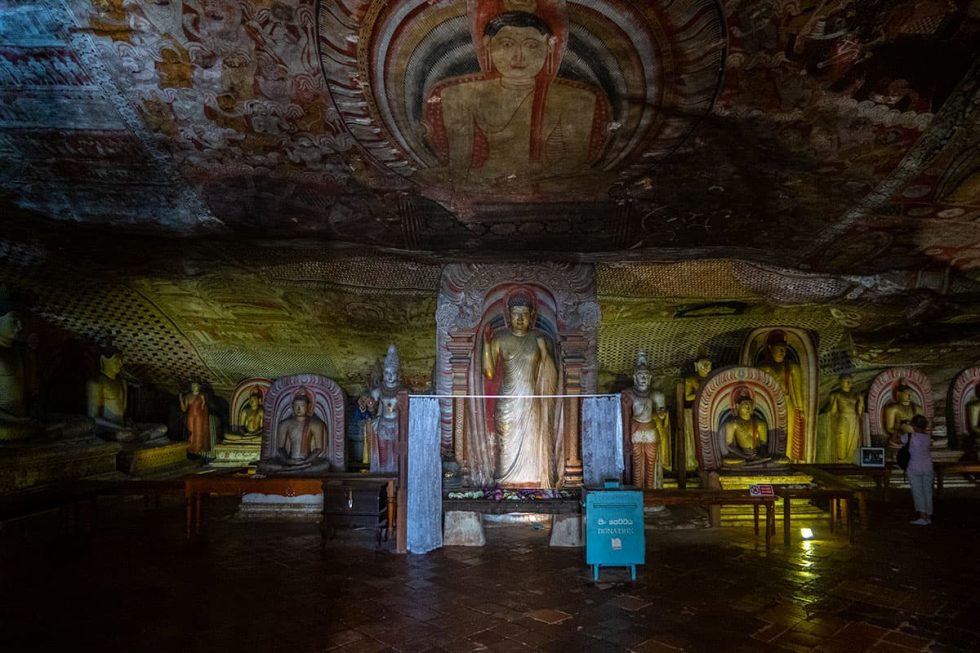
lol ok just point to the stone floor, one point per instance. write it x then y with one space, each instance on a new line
137 585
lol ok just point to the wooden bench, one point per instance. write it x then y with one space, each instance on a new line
718 498
942 469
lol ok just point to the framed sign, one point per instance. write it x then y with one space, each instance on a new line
871 456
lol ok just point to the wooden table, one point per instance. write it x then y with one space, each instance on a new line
942 469
880 475
835 494
198 487
828 476
718 498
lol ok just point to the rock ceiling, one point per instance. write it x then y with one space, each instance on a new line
265 186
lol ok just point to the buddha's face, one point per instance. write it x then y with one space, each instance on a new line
520 317
703 367
641 380
745 408
904 396
301 407
778 353
9 327
846 384
518 52
195 388
253 402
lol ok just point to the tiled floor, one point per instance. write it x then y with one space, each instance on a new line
136 585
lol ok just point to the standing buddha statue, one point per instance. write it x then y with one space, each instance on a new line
790 378
692 383
846 407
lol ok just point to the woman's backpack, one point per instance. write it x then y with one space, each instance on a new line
903 456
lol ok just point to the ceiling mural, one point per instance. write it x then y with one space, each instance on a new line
602 128
499 101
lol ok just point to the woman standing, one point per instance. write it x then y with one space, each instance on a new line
920 472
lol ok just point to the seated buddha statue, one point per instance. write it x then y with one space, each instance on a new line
746 436
251 419
300 438
107 397
898 413
14 421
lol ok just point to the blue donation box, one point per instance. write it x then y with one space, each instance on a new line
614 529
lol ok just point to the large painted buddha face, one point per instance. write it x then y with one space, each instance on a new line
846 383
518 53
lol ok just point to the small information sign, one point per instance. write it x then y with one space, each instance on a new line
763 490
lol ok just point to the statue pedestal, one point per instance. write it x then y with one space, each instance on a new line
27 464
463 528
236 454
946 455
141 458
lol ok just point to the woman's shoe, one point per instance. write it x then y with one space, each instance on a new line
920 522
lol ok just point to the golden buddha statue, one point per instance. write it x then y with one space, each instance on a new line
14 421
251 419
107 399
898 411
745 435
846 407
790 378
692 383
252 416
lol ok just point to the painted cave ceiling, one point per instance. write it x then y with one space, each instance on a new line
243 187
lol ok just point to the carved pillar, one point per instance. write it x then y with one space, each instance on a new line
573 363
401 450
680 448
460 348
